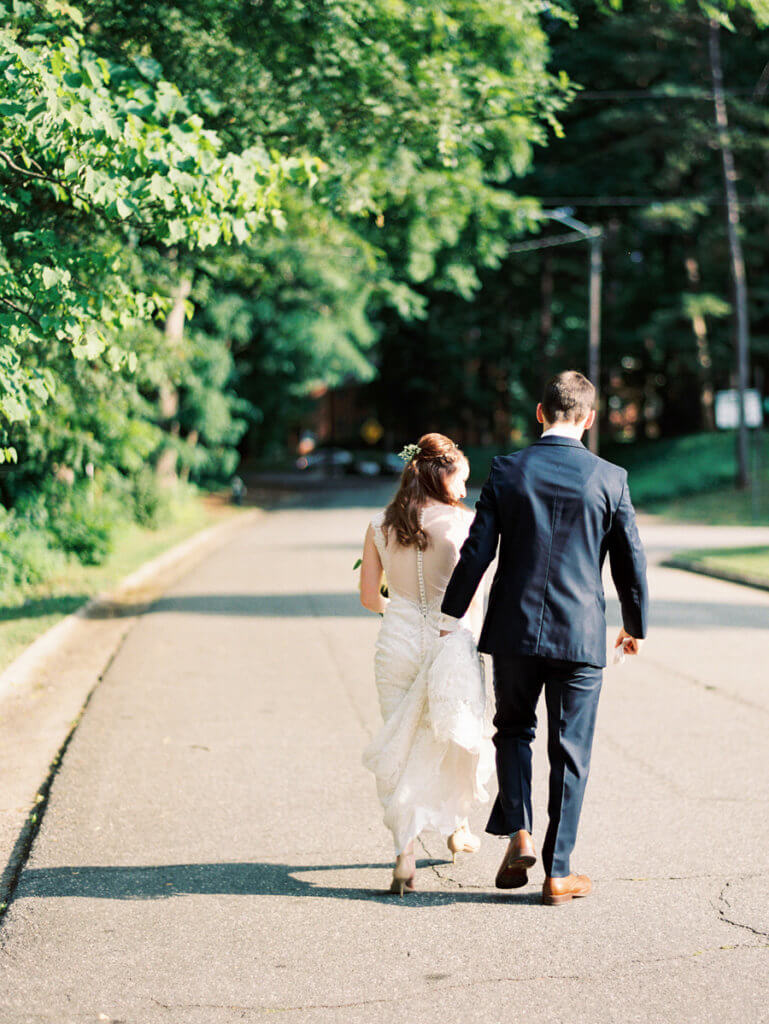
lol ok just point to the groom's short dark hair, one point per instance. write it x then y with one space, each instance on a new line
567 396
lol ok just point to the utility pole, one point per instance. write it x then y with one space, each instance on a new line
580 232
595 238
594 355
735 248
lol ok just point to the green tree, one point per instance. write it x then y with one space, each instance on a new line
99 159
639 157
420 113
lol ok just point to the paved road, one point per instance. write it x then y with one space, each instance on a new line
213 851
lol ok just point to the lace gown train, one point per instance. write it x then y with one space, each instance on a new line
433 755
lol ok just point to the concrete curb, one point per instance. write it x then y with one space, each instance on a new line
756 582
44 692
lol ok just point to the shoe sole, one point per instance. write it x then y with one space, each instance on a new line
567 897
513 875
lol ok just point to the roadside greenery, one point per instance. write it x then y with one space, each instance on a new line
211 211
681 467
110 179
31 606
45 534
741 565
421 113
100 158
286 177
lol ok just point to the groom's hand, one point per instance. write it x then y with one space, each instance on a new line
630 644
445 632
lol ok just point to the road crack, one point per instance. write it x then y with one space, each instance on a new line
435 865
724 908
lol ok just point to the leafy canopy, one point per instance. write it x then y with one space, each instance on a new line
97 159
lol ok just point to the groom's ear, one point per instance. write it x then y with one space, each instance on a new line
540 414
590 419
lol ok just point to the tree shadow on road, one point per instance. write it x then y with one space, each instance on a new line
276 606
38 607
698 614
240 879
679 614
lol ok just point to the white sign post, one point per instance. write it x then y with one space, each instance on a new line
728 418
728 409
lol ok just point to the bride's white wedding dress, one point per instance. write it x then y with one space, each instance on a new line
433 755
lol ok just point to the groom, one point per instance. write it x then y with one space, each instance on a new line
556 510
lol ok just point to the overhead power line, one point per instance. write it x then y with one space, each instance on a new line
761 199
546 243
705 95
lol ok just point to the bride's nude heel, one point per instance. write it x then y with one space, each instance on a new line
462 840
404 874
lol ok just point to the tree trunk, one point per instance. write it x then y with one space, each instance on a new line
190 440
545 317
704 361
594 358
735 247
168 401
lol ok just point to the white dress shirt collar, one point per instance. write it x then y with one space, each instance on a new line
564 430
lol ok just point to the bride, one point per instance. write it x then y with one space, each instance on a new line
432 756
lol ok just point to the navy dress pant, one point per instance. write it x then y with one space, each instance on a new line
571 696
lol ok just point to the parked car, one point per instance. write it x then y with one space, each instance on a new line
330 461
338 461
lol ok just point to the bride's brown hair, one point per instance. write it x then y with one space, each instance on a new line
425 476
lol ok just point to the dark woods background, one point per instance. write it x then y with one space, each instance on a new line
639 158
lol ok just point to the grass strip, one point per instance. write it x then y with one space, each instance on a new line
26 615
749 566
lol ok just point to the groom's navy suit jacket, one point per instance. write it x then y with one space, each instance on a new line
557 510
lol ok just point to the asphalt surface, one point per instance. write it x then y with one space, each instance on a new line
213 849
43 692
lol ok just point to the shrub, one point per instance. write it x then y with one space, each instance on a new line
83 525
26 557
150 502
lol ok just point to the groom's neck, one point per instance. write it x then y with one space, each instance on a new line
565 428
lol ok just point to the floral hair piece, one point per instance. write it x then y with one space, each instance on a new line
410 452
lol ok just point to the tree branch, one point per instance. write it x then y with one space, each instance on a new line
22 312
137 222
27 172
762 84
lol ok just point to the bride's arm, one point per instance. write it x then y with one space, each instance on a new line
371 576
476 554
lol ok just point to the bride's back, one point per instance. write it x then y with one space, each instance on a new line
446 527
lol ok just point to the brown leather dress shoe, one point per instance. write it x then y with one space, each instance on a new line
556 891
519 856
